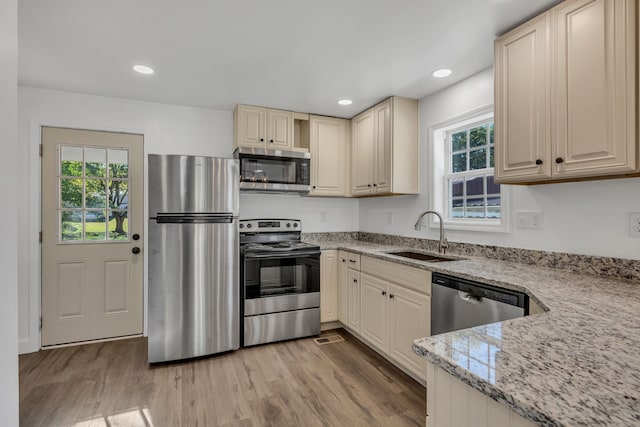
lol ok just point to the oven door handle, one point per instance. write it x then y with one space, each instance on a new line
282 255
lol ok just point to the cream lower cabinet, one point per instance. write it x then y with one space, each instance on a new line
330 154
565 86
329 286
395 306
452 403
349 290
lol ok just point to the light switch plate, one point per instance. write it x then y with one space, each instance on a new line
634 224
529 219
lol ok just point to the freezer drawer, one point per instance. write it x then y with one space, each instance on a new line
193 289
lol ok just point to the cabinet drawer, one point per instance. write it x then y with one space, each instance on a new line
354 261
411 277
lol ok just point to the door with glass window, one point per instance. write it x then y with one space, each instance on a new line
92 221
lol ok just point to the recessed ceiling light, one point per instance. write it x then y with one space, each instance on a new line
345 102
442 72
143 69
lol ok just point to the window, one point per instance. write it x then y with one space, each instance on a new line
471 190
93 194
462 162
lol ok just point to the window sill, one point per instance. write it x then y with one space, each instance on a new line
471 225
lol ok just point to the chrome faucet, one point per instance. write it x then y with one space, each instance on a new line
442 244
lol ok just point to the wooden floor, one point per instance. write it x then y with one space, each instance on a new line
293 383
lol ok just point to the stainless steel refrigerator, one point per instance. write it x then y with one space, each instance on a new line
193 256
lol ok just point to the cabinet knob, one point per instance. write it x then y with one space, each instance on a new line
271 141
384 293
314 187
559 160
539 162
369 185
355 280
261 139
391 296
344 260
353 261
375 185
135 250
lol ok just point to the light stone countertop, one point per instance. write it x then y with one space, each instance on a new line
577 364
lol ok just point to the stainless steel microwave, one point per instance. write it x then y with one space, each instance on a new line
273 170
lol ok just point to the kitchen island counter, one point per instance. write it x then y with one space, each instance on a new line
575 364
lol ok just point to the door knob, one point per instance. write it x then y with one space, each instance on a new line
136 236
135 250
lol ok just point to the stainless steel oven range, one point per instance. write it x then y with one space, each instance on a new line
280 282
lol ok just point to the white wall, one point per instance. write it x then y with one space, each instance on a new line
9 213
588 218
318 214
167 129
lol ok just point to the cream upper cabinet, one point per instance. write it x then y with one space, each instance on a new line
329 145
329 286
523 102
250 126
265 128
566 94
362 140
595 96
385 150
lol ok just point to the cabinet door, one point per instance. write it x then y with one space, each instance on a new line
329 286
354 300
382 143
595 96
374 315
522 103
250 126
409 318
343 288
362 153
279 130
328 156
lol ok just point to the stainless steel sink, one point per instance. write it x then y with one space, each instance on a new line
422 257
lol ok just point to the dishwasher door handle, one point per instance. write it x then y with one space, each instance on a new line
467 297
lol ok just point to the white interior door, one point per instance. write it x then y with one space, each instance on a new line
92 220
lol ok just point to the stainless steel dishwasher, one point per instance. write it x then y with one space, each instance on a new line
460 303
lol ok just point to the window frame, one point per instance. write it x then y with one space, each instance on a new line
440 166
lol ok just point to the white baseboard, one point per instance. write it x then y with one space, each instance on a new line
26 345
327 326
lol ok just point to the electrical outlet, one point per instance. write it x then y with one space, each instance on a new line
634 224
529 219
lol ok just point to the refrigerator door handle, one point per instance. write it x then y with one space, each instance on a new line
193 219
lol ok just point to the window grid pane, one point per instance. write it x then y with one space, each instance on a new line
472 195
94 190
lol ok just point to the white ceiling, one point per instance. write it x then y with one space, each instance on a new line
298 55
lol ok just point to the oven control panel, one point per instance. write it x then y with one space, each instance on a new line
268 225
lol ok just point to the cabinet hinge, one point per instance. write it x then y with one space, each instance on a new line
40 236
40 326
40 149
